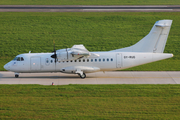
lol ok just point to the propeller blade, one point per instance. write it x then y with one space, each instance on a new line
54 55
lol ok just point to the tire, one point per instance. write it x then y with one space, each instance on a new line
16 76
83 75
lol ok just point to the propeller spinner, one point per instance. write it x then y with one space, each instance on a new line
54 55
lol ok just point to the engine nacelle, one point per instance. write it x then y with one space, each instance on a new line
74 69
65 55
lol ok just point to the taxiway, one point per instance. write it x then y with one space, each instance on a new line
89 8
111 77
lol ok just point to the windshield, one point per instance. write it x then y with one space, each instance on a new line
18 59
15 59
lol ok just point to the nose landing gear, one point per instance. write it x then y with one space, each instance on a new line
16 75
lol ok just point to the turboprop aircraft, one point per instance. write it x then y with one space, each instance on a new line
78 60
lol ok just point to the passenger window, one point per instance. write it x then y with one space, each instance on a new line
79 60
95 60
75 60
87 60
83 60
51 61
103 60
47 60
67 61
99 60
22 59
91 60
107 59
111 59
71 60
18 59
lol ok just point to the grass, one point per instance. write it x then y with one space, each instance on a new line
24 32
89 2
90 102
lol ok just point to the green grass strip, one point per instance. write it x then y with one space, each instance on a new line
23 32
90 2
90 102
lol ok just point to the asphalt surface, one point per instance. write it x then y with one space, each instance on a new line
87 8
111 77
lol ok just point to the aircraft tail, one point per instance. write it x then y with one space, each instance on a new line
154 42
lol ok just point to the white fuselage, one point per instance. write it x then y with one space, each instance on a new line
78 60
42 62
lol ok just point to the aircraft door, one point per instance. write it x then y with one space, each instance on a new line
118 60
35 63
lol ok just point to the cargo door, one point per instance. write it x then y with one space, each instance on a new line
35 64
118 60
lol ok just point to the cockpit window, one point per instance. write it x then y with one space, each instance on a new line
15 59
18 59
22 59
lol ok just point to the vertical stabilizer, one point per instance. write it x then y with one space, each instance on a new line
154 42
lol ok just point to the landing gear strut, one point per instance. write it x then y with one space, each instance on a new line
80 73
82 76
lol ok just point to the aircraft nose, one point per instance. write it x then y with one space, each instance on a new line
6 66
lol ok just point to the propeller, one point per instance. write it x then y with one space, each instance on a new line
54 55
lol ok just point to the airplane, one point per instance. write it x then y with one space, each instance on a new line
78 60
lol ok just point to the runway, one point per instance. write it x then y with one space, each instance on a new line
89 8
112 77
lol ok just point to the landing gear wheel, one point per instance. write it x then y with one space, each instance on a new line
83 75
16 76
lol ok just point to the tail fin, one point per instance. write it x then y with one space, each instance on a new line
154 42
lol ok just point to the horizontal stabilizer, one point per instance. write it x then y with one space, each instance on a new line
162 23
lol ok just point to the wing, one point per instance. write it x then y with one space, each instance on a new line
82 51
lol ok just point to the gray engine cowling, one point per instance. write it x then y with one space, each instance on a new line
65 55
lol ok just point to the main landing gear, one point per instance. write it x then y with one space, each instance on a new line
83 75
16 75
80 73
